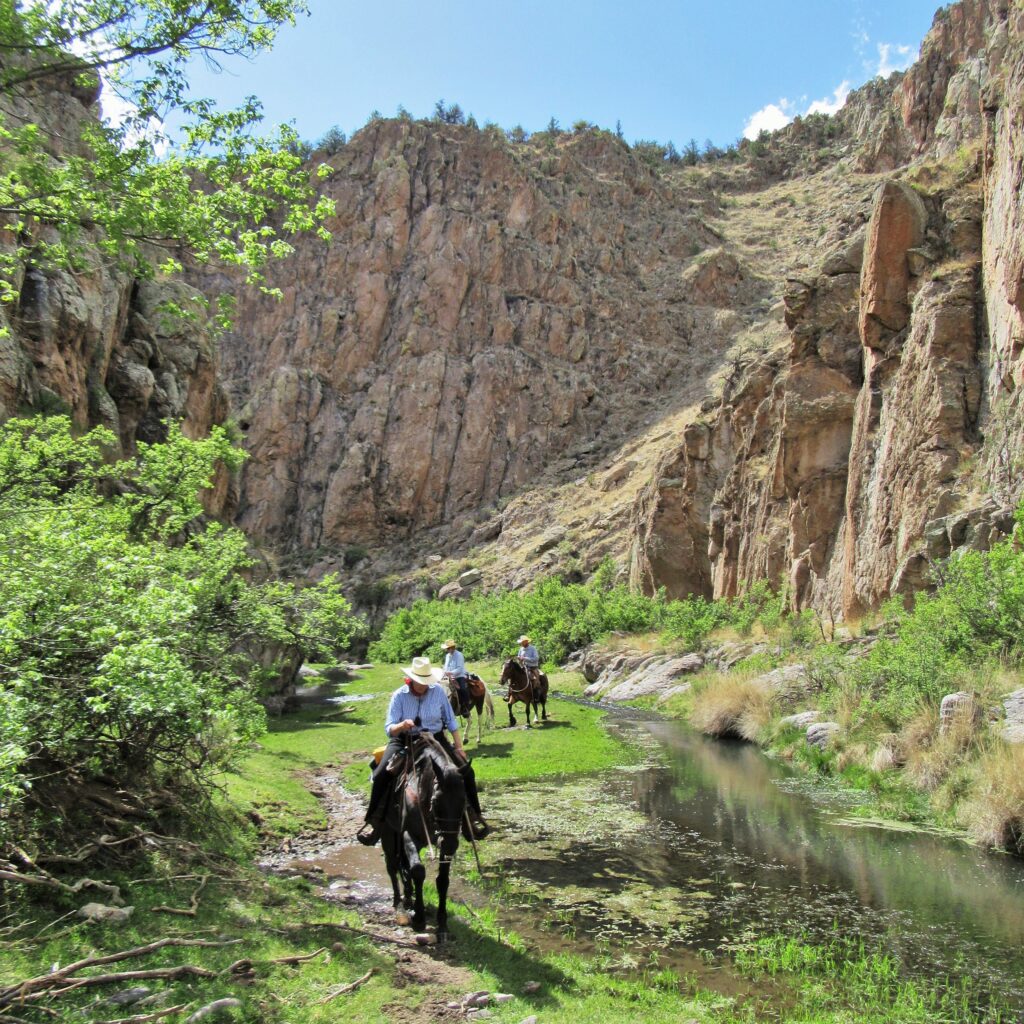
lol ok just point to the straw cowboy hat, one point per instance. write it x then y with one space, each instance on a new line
523 640
449 643
422 672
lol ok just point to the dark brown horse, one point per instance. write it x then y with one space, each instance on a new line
522 687
427 810
479 700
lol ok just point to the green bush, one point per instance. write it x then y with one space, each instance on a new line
562 617
132 638
976 615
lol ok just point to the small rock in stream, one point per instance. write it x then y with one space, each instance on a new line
423 939
503 997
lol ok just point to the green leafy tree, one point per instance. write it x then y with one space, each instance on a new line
131 629
217 192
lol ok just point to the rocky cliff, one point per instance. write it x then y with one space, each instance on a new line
96 342
521 356
884 430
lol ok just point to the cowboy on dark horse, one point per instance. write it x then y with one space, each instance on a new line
419 704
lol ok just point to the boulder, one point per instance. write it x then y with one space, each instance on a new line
801 720
960 706
98 912
637 676
1013 724
821 734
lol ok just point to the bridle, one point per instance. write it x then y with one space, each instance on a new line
506 677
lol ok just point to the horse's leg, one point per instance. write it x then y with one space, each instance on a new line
391 856
417 872
443 873
511 717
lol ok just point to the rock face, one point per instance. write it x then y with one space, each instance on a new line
804 365
839 462
95 344
480 312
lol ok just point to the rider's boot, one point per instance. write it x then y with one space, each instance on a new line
375 812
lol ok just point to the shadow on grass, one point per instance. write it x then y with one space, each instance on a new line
317 720
474 947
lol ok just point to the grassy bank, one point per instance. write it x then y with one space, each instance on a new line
906 764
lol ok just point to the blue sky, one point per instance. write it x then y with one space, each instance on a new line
666 70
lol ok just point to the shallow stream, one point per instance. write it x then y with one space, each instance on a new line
705 845
710 843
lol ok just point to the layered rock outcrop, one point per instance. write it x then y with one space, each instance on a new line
97 343
803 366
835 464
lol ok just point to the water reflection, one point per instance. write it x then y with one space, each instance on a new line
724 818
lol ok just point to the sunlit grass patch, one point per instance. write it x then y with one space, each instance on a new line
732 704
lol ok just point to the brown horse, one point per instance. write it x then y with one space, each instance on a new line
522 687
479 700
426 809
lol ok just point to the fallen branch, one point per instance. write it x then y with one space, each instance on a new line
190 911
350 987
14 993
302 958
141 1018
52 883
166 973
358 931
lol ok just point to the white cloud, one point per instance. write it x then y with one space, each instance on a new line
894 57
777 115
769 118
831 106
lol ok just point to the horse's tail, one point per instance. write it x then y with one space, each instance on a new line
489 707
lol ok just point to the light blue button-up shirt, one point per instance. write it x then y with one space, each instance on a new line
455 663
433 709
529 656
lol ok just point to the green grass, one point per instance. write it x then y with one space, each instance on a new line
274 917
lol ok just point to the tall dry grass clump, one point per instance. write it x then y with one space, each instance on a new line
933 750
994 812
733 705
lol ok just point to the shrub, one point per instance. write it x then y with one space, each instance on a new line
133 638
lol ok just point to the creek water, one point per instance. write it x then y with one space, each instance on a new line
710 843
707 844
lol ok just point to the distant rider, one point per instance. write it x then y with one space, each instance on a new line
422 704
455 668
529 659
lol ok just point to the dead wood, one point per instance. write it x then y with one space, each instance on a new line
141 1018
44 982
299 958
350 987
376 936
189 911
164 973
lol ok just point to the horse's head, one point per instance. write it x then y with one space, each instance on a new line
509 669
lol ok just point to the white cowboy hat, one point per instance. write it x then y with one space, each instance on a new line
523 640
449 643
422 672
